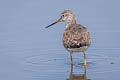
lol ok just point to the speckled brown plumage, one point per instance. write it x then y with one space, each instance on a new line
76 36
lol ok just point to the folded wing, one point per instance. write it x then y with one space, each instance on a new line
76 36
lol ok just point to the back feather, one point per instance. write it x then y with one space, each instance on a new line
76 36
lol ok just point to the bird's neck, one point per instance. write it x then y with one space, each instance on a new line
70 23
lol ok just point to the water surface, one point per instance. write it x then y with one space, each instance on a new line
28 51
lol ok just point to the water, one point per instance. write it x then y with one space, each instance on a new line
28 51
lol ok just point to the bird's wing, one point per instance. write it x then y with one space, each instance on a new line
76 36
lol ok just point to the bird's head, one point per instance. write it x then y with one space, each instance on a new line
67 16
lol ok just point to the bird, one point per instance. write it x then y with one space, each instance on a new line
74 76
76 37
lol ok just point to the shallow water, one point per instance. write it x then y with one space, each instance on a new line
28 51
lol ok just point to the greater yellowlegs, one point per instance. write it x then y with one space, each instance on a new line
77 76
76 37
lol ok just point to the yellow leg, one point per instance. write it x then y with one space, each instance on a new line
85 62
85 59
71 58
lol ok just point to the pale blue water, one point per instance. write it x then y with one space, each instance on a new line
28 51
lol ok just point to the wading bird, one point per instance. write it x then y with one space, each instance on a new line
76 37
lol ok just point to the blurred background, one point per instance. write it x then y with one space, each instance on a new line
28 51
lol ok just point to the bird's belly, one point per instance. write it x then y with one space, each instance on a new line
81 49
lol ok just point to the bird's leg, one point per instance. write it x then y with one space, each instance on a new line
71 58
85 70
84 59
71 70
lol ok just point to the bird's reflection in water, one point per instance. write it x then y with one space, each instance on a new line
74 76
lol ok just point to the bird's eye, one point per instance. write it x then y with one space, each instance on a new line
63 15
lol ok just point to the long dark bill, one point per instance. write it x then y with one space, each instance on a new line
59 20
